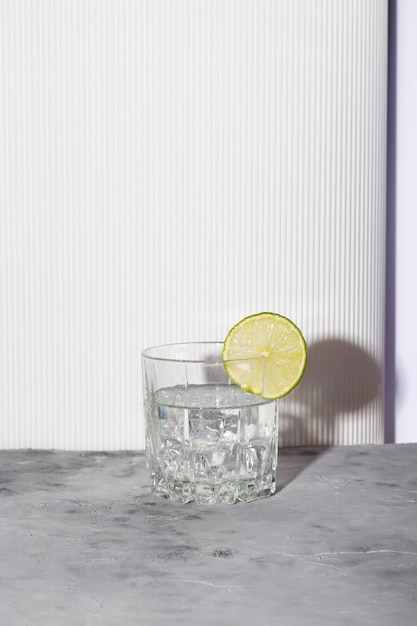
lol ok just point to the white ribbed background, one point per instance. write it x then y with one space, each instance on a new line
169 166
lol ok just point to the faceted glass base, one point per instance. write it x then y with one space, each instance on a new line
222 493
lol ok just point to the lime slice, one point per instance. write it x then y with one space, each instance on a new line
265 354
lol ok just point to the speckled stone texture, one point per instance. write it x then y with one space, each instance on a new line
84 543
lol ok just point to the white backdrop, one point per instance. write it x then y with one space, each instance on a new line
169 167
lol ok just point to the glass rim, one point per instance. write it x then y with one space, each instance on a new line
145 354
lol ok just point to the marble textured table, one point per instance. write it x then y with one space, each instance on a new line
82 542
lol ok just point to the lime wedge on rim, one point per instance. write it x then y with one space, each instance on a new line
265 354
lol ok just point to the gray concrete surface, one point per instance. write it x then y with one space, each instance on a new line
82 542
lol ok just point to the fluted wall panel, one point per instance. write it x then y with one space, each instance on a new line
169 166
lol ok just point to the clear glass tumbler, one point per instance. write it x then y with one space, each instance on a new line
206 440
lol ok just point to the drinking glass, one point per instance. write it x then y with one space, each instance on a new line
206 440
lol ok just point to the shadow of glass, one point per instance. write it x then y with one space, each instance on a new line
341 378
293 461
346 376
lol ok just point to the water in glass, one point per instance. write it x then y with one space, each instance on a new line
211 443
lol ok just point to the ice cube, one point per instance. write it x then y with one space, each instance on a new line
171 458
256 457
231 429
209 465
250 431
205 427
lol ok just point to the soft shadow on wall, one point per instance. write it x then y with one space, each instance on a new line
341 379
